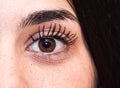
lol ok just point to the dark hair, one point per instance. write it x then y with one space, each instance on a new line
100 23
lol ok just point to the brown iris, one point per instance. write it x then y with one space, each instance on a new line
47 44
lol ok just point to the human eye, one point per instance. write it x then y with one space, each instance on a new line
50 43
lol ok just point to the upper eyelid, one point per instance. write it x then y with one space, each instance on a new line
58 28
50 30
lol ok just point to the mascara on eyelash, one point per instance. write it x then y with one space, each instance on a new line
43 30
67 38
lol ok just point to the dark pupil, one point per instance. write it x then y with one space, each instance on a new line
47 44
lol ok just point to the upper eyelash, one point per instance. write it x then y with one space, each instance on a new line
68 38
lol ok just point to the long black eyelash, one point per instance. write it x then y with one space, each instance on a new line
43 30
39 33
63 32
32 38
58 30
53 30
72 38
67 38
67 35
49 30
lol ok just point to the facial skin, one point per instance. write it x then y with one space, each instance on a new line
71 67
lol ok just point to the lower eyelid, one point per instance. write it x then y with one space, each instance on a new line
53 58
49 59
56 58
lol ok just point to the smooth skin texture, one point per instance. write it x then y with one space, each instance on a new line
18 69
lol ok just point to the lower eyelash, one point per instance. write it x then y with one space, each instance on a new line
66 38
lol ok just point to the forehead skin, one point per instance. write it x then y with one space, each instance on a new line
16 10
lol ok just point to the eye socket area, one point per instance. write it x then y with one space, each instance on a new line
47 46
51 39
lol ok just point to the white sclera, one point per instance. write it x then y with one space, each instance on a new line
59 46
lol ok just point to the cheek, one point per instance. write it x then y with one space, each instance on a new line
76 75
72 74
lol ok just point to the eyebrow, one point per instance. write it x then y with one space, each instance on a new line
46 16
